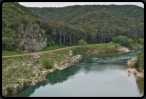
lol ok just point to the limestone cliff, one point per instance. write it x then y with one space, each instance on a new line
31 38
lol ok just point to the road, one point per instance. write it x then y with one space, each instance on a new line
46 51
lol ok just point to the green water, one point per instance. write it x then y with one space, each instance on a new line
102 75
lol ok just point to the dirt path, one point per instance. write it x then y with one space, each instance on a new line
47 51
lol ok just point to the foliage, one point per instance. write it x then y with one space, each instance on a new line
47 64
99 25
130 41
52 43
72 23
82 42
121 39
10 89
51 48
140 60
13 16
141 40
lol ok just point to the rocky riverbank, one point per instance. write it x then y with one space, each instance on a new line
28 71
138 71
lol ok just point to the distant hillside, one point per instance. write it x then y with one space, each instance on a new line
94 16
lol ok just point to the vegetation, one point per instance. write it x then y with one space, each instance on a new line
70 24
140 60
13 16
10 89
83 49
14 52
94 23
82 42
51 48
52 43
47 64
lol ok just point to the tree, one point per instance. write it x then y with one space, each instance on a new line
82 42
141 40
125 41
130 40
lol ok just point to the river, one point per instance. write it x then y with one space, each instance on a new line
102 75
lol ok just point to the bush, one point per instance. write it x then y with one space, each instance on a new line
10 89
82 42
52 43
47 64
136 64
141 41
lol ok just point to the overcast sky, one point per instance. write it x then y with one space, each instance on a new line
63 4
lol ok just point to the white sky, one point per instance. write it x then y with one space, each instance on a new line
63 4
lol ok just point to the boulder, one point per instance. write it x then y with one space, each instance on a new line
4 92
130 62
9 60
70 53
122 49
76 59
56 67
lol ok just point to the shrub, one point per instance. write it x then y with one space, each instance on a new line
135 64
10 89
52 43
47 64
82 42
141 41
40 69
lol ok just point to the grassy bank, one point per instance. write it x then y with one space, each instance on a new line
103 48
48 48
8 53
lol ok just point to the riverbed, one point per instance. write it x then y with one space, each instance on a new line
102 75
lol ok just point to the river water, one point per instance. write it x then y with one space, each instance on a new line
102 75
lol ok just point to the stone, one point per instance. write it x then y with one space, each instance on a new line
130 62
56 67
37 56
70 53
4 92
141 75
37 41
9 60
33 83
122 49
13 68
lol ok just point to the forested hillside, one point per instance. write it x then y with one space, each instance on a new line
32 29
20 30
101 21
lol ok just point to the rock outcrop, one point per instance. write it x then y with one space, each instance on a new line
31 39
139 71
122 49
130 62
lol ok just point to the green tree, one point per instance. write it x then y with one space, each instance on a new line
125 41
82 42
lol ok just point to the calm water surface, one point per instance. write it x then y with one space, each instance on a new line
102 75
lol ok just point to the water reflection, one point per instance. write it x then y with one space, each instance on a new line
140 85
61 76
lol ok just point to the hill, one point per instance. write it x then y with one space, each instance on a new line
100 22
20 30
94 16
